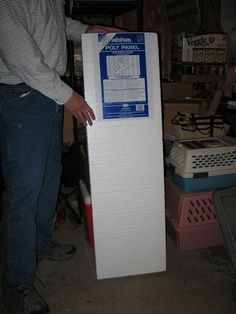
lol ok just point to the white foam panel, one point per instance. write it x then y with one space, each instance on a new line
126 175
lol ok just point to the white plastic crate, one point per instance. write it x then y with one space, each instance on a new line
213 155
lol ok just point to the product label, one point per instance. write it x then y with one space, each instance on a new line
123 75
209 48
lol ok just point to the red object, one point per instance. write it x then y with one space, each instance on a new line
88 220
87 213
191 218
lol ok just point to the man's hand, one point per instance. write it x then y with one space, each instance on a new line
103 29
76 103
80 109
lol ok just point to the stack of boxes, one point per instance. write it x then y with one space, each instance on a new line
197 168
199 55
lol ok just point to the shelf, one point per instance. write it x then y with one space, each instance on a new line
102 8
201 78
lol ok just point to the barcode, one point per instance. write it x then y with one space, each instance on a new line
140 107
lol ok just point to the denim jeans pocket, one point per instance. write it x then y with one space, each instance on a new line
14 93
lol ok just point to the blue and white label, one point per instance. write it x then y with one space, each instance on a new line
123 75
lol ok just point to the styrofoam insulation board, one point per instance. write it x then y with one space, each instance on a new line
126 174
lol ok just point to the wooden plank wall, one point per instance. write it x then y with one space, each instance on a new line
153 21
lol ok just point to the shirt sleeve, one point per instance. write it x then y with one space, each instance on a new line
74 29
22 56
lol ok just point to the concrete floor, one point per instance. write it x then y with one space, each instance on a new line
192 283
199 281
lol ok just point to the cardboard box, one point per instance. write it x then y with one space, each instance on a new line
122 84
206 48
173 90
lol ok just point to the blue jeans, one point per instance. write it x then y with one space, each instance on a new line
30 142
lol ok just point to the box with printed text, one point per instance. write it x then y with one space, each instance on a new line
205 48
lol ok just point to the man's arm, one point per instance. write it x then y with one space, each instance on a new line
74 29
22 56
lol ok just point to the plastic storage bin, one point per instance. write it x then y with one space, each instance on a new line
195 183
224 201
215 156
191 218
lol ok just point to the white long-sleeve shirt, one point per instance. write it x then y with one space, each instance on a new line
33 45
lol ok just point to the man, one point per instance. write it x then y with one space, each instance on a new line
32 95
